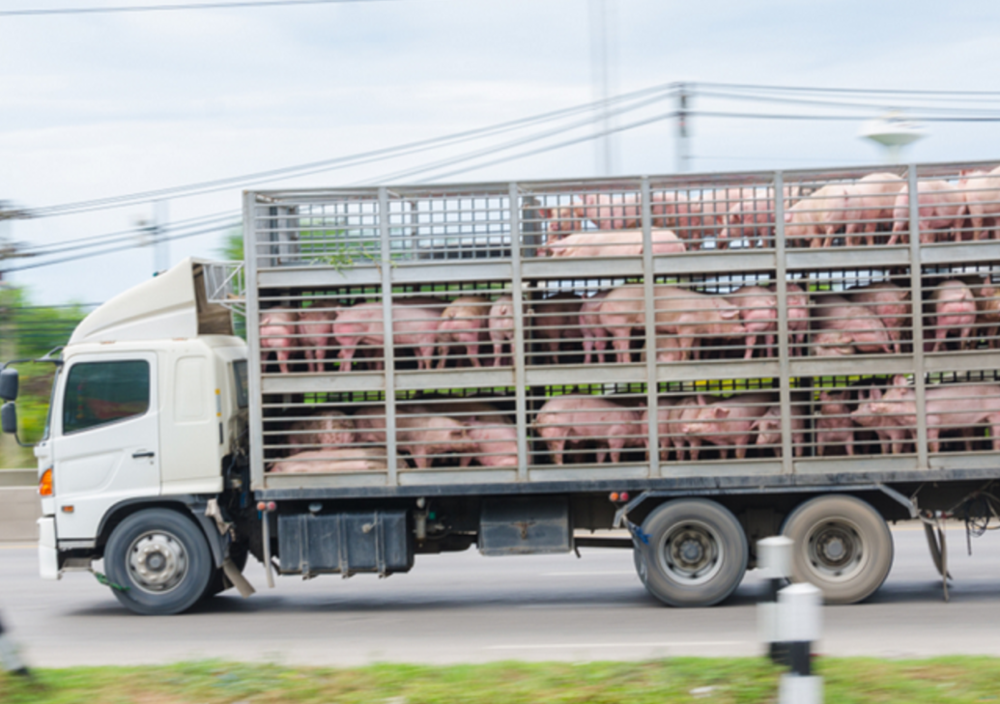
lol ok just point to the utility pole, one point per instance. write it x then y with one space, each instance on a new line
683 145
602 40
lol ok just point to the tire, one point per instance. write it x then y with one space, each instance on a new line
219 582
696 553
162 560
640 563
842 546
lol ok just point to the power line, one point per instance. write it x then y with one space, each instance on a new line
359 159
870 91
166 8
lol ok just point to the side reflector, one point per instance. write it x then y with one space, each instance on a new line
68 509
45 483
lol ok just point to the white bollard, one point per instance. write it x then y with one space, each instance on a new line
774 560
798 625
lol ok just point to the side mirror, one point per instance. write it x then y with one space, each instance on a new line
8 384
8 418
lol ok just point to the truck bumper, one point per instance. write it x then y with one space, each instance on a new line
48 555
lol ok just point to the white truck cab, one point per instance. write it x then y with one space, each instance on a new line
148 402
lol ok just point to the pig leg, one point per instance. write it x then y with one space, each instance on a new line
497 353
750 342
621 345
472 352
849 445
588 345
969 434
615 445
694 446
283 357
933 433
556 448
465 461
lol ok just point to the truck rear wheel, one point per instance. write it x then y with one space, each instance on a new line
159 561
695 553
842 545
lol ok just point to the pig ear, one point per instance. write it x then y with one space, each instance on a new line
701 400
545 213
876 394
721 412
755 425
788 217
899 380
729 313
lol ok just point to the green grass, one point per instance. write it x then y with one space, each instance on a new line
720 681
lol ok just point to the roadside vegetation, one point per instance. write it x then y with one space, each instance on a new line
720 681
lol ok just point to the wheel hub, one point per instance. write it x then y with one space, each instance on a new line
835 546
157 562
691 552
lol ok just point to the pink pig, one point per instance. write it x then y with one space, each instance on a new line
982 199
872 200
886 301
726 423
413 326
463 322
866 331
954 313
940 206
817 218
315 328
768 428
328 428
501 325
834 426
594 335
613 212
759 312
577 419
277 332
615 243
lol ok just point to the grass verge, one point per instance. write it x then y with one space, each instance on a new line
696 680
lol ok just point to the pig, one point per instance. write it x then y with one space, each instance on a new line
941 207
356 459
886 301
834 426
501 326
595 337
709 213
413 326
685 410
618 314
872 200
954 313
694 316
671 210
759 312
425 436
315 329
555 319
818 218
577 418
836 314
988 311
562 220
832 343
946 407
668 349
752 219
768 428
463 322
981 192
888 431
277 332
616 243
327 428
725 423
369 421
613 212
491 432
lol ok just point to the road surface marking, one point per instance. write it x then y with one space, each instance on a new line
664 644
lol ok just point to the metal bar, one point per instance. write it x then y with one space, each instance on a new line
916 298
649 295
254 364
781 291
517 345
388 339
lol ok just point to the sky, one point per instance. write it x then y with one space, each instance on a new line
101 105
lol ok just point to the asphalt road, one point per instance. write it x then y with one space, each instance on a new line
467 608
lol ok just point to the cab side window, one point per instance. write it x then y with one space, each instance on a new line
98 393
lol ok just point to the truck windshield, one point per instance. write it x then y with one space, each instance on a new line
52 402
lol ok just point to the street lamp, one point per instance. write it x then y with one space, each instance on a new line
893 131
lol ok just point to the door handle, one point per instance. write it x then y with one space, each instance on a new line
137 455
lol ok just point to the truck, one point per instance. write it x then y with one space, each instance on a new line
679 365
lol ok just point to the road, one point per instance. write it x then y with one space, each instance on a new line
467 608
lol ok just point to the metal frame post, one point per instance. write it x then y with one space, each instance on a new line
917 323
649 305
781 292
517 345
388 338
254 362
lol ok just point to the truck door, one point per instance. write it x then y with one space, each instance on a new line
105 444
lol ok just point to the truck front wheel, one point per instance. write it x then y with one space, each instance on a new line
694 552
159 562
842 545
